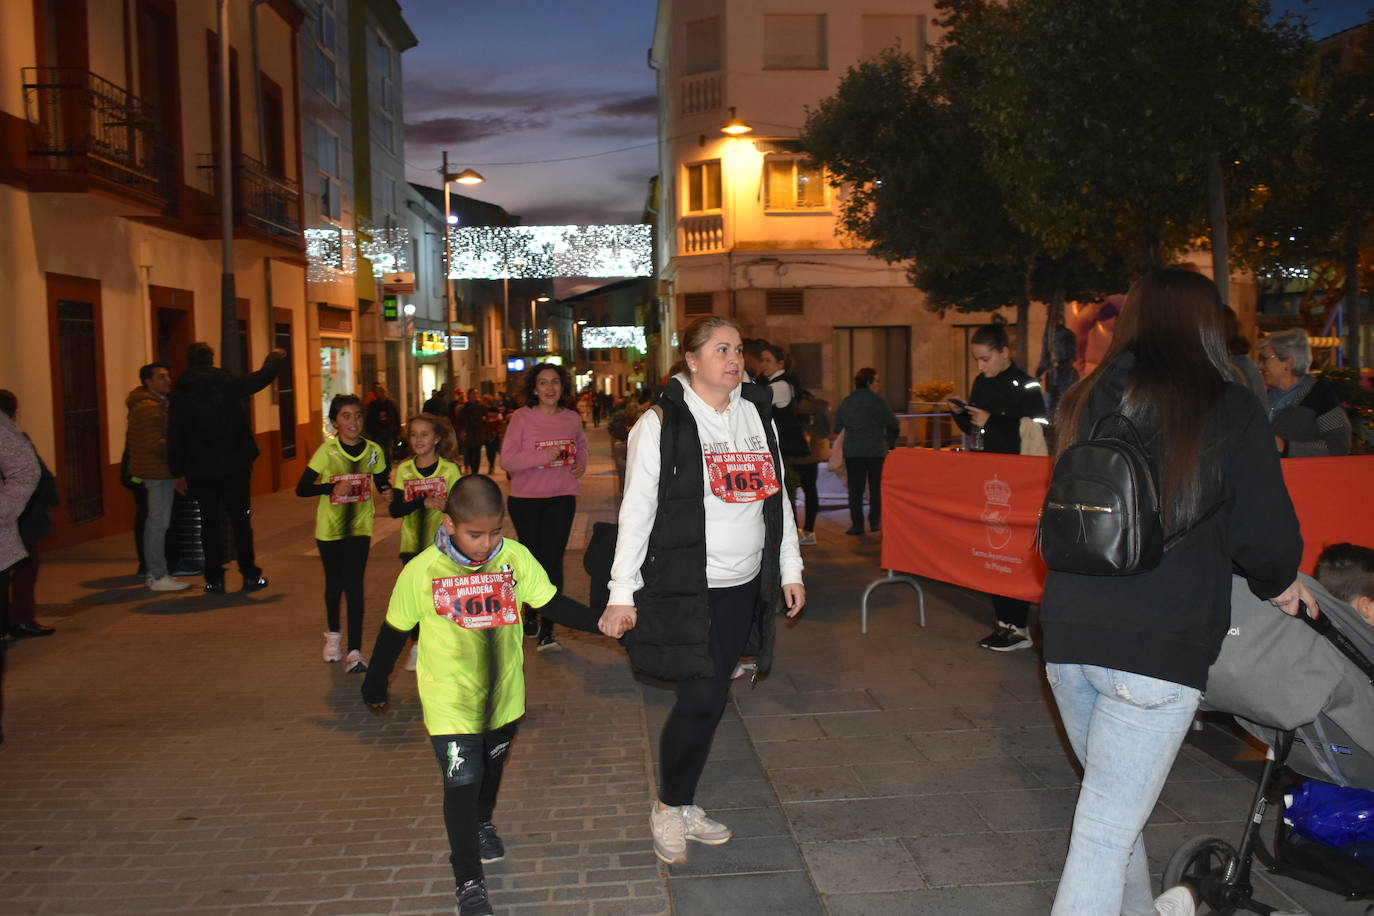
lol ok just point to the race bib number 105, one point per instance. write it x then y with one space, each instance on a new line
741 477
478 601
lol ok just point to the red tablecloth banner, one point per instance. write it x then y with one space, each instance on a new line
969 518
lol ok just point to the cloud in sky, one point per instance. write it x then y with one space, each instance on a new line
639 107
456 130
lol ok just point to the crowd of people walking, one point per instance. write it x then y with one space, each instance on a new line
708 555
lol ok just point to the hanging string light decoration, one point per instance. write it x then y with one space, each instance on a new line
330 254
387 248
525 252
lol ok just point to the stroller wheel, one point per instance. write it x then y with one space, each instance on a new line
1201 863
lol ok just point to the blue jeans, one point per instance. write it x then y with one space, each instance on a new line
161 494
1126 730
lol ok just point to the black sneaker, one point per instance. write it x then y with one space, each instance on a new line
1009 639
255 584
214 588
472 899
493 850
547 643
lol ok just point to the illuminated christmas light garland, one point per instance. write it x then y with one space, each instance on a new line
525 252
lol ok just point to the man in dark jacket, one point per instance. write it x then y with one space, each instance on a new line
383 421
210 443
1002 396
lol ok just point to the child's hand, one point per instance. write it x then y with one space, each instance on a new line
617 620
555 453
343 489
378 708
435 502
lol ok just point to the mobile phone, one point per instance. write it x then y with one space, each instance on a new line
962 405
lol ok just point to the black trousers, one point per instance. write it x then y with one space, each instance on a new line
472 458
807 474
220 497
686 740
1011 610
863 471
345 567
471 768
543 526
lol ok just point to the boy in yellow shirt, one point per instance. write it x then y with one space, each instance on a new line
465 592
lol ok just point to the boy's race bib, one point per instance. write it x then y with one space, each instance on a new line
567 451
425 487
478 601
741 477
360 490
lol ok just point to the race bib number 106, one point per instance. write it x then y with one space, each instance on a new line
741 477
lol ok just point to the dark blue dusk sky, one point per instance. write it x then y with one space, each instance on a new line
519 80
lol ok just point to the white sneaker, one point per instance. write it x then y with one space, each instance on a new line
414 657
166 584
1176 901
701 829
806 538
332 641
670 834
355 664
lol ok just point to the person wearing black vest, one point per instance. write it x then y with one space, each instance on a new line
801 466
1002 396
1127 656
705 560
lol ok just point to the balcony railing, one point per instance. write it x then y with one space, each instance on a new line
701 234
83 123
700 93
263 200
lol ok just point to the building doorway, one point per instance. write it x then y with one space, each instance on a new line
887 349
336 375
78 384
173 326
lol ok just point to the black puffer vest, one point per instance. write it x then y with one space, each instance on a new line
670 641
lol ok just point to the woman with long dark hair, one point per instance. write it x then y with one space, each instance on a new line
1127 656
545 452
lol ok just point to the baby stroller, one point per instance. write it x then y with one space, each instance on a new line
1306 689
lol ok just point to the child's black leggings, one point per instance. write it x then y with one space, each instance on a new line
470 766
345 563
686 740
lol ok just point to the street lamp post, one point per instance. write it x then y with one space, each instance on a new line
467 176
533 320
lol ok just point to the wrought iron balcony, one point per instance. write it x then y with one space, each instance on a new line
83 123
263 200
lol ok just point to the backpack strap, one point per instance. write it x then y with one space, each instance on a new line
1173 539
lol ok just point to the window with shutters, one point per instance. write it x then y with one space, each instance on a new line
794 42
784 301
794 183
701 46
703 187
901 33
698 303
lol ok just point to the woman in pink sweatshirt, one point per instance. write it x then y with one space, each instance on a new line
545 452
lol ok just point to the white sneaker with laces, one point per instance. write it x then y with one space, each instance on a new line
701 829
332 641
1176 901
355 664
414 658
166 584
670 834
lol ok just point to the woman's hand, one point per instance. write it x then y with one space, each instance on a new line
555 453
578 470
794 596
978 415
1280 444
617 620
1287 600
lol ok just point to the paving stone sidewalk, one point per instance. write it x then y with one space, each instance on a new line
191 754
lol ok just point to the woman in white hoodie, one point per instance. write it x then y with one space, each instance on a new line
705 559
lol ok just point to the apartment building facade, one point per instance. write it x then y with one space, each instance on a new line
747 226
109 163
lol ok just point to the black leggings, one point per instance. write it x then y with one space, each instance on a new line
543 526
471 768
345 564
807 474
686 740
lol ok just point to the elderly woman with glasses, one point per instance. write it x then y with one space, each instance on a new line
1305 413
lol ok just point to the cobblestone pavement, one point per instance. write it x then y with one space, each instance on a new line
191 754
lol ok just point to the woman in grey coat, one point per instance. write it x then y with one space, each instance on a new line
1305 413
869 428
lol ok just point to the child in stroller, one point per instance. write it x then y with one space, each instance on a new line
1307 691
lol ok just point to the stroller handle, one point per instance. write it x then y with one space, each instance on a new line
1328 631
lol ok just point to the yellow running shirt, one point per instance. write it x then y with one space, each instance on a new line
471 670
419 527
352 517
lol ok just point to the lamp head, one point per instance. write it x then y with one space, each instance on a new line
734 127
469 176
